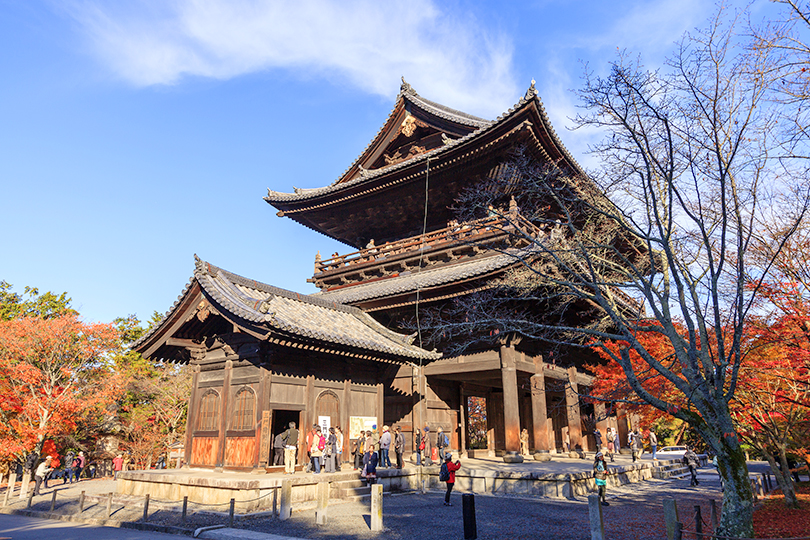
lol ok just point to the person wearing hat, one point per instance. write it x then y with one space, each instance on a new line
385 447
426 440
447 473
118 465
600 476
41 472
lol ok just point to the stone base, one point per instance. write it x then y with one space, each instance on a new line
512 457
542 456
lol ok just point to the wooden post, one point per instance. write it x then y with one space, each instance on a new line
540 421
714 516
224 401
109 505
322 503
572 407
30 496
275 501
698 522
230 513
286 500
53 500
595 516
81 502
185 509
462 422
376 507
12 483
26 479
511 405
678 531
670 517
146 508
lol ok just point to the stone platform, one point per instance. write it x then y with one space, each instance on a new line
561 478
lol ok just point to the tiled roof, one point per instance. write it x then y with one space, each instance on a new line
421 280
440 110
301 315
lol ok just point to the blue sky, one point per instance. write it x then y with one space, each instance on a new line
136 134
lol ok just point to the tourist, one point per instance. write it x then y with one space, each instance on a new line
310 436
420 447
600 476
524 442
399 446
441 443
375 443
291 437
385 447
448 474
370 468
636 445
609 436
690 459
42 471
566 440
653 443
118 465
359 451
330 451
598 436
426 440
316 450
617 442
339 455
278 449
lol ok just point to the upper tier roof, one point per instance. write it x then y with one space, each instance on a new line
381 195
283 312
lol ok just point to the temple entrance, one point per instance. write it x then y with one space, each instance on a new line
328 405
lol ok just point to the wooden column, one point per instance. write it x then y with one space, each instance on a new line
422 405
572 407
462 422
310 418
540 421
490 425
511 407
601 422
380 407
223 414
345 410
191 416
264 418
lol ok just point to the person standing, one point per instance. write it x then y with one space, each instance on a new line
399 446
330 451
278 449
375 443
636 445
690 459
385 446
316 450
441 443
600 476
617 442
426 440
291 437
420 447
339 454
524 442
118 465
448 474
41 472
609 436
359 450
653 442
598 436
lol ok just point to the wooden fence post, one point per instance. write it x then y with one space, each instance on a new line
185 508
53 500
230 513
698 522
146 508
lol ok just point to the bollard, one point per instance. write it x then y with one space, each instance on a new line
230 513
275 501
146 508
670 517
26 479
595 515
53 500
286 500
12 483
109 505
376 507
715 519
30 496
185 509
322 503
678 531
698 522
81 502
468 511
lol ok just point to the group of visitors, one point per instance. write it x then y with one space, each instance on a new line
372 445
635 441
424 446
325 449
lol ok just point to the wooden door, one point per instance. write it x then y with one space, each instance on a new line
328 405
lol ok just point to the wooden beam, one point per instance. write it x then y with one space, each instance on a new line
442 368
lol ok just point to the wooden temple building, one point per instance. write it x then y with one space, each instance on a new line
263 356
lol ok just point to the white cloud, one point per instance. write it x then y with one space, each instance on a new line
446 56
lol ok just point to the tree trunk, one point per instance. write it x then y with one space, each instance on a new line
782 479
736 519
789 490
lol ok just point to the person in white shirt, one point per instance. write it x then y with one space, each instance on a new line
41 472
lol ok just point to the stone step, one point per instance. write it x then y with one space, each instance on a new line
346 484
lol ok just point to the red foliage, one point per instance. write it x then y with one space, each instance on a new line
776 520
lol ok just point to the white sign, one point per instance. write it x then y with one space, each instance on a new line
325 423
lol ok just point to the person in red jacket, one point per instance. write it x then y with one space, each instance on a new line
448 474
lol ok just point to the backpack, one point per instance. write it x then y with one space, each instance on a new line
446 441
321 443
444 473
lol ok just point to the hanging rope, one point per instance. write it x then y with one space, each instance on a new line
421 256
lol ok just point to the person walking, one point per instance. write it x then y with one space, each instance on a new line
339 454
447 473
597 435
690 459
419 442
441 443
316 450
278 449
291 437
653 442
330 451
82 462
617 443
600 476
41 472
385 446
636 445
118 465
610 444
399 446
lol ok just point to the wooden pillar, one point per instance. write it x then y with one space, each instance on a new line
462 422
490 425
344 416
511 407
423 420
264 419
223 414
572 407
191 416
310 418
380 408
540 421
601 422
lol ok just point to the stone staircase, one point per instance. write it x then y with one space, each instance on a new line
670 469
350 490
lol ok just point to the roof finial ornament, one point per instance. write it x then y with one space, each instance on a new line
531 92
405 87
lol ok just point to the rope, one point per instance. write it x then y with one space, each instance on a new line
421 255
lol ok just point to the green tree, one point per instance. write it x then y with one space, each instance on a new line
32 304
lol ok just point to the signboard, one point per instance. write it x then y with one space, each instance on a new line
361 423
325 422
